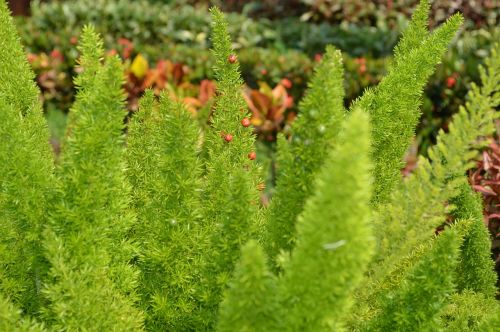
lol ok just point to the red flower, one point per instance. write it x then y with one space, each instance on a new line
317 57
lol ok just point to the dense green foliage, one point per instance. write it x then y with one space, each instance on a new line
157 225
321 113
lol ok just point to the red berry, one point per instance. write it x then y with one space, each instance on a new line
263 72
252 155
73 40
450 82
228 137
245 122
232 58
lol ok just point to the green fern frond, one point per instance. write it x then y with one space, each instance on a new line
164 173
466 311
415 304
476 269
418 206
313 133
416 32
394 103
91 284
26 173
334 241
250 303
12 321
18 86
229 196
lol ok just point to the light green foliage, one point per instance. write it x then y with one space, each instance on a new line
229 195
21 91
491 324
417 207
475 270
250 303
12 321
91 285
334 245
159 231
313 133
467 310
414 304
230 107
417 31
334 241
394 103
162 148
25 172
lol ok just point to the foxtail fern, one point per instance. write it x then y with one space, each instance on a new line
229 195
313 133
419 204
334 240
162 141
91 285
26 173
333 247
476 268
164 231
394 119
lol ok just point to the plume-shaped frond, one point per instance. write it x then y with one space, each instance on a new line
418 206
394 105
26 172
313 134
334 241
229 193
12 321
414 304
164 173
250 303
92 286
476 269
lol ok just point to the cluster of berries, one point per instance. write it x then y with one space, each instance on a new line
245 122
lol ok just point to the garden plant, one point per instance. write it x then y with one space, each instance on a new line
155 224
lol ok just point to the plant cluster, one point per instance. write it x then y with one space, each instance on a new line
161 228
153 24
383 12
377 12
